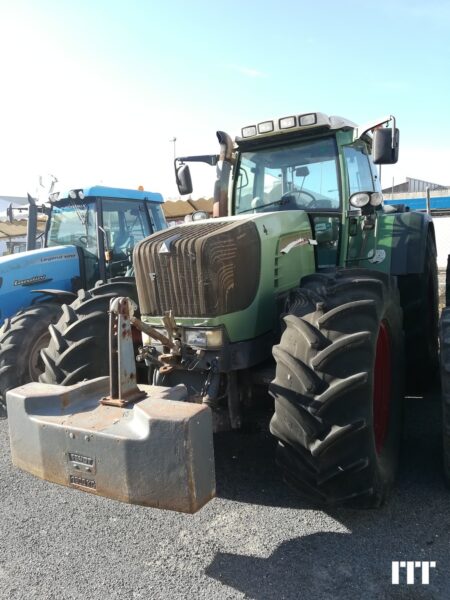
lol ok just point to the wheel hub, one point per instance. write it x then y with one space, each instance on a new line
35 362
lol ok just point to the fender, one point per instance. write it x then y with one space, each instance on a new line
22 274
61 296
410 231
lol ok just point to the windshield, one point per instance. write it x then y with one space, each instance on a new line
75 224
303 175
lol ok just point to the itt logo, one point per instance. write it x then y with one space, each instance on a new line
409 567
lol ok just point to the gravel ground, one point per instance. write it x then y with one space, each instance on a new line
255 540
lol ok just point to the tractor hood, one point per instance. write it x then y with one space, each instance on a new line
231 271
57 267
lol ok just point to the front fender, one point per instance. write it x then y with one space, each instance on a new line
22 274
61 296
406 234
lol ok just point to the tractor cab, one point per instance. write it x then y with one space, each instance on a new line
311 162
90 234
104 224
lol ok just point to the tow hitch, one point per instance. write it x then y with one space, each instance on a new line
139 444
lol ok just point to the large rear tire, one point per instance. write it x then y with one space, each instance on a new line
338 388
78 347
419 294
444 335
21 339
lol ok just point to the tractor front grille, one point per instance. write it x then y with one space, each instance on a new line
204 269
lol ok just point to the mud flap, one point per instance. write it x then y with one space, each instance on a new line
156 452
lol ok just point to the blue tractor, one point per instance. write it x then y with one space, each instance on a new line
89 238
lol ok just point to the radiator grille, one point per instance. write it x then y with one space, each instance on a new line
199 270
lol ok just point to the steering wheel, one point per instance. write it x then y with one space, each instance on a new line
83 240
297 193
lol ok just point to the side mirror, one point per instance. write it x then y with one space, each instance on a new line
183 179
385 146
301 172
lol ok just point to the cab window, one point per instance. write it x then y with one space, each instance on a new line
359 172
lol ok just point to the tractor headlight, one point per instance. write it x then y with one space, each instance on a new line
198 337
265 127
249 131
376 199
360 199
310 119
203 338
287 122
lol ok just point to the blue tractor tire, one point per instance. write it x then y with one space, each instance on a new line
79 341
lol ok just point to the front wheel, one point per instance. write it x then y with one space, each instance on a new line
338 388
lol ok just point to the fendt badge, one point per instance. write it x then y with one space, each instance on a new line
81 460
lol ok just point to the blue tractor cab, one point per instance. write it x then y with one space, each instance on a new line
89 237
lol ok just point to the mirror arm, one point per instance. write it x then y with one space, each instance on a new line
393 131
209 159
360 131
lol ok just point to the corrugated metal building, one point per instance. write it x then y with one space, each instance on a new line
413 185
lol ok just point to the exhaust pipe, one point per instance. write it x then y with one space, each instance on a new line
32 223
223 170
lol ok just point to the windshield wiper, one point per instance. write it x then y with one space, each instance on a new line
78 210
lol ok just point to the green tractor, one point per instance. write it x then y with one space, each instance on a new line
304 281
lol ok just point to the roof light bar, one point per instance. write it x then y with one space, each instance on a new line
298 122
73 194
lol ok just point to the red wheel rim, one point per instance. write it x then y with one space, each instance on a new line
382 387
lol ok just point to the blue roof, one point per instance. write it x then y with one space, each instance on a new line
112 192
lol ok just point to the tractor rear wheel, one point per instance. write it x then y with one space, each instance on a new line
445 383
79 342
419 295
21 339
338 388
